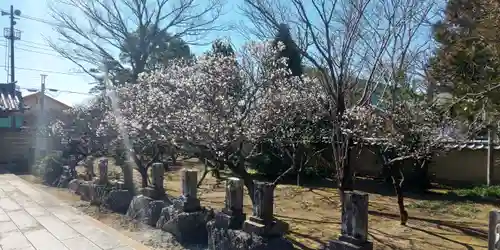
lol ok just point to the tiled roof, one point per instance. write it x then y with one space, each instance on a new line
9 101
472 144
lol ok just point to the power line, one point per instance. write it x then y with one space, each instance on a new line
33 51
36 19
35 47
48 71
31 42
57 91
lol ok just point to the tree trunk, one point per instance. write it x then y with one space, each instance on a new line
397 181
205 172
144 178
346 181
216 173
174 159
299 161
243 174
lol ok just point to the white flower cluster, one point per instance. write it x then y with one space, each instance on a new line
213 100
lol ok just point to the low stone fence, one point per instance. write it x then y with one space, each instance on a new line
228 229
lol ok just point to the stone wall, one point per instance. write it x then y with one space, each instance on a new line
458 166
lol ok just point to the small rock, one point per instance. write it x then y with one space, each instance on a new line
84 190
187 227
118 200
145 209
74 186
98 194
230 239
65 178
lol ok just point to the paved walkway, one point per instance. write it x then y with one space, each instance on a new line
33 219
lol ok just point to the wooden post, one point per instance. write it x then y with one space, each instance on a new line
490 166
493 234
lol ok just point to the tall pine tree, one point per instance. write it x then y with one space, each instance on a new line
467 58
291 50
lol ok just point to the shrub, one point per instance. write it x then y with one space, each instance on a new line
49 168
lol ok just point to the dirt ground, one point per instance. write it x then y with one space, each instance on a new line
436 221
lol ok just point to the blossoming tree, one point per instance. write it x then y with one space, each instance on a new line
410 131
220 105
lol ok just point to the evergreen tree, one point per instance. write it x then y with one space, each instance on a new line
467 58
222 47
291 50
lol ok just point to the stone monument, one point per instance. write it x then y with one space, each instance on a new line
262 221
354 228
103 172
157 190
230 230
148 206
232 216
186 219
188 201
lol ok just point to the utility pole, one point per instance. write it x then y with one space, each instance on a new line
41 126
42 95
490 165
12 34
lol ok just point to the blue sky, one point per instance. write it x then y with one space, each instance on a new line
33 56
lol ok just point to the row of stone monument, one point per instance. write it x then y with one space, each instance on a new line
228 229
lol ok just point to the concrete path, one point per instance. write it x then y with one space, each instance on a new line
33 219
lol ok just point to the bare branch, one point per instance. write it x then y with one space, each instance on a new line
108 27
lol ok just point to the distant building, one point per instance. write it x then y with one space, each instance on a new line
11 107
13 144
53 109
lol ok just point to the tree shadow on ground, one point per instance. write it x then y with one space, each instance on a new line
380 187
299 245
384 242
374 186
324 221
465 228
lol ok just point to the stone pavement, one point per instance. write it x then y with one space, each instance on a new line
33 219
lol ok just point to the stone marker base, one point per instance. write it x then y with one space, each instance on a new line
224 220
187 204
232 239
146 209
74 186
65 178
118 200
275 228
84 190
343 244
153 193
98 194
187 227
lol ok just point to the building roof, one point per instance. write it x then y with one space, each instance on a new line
449 144
38 94
9 101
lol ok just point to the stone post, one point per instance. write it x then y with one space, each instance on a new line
189 182
264 203
103 171
354 227
188 201
232 215
262 221
157 190
494 231
128 178
158 175
233 204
